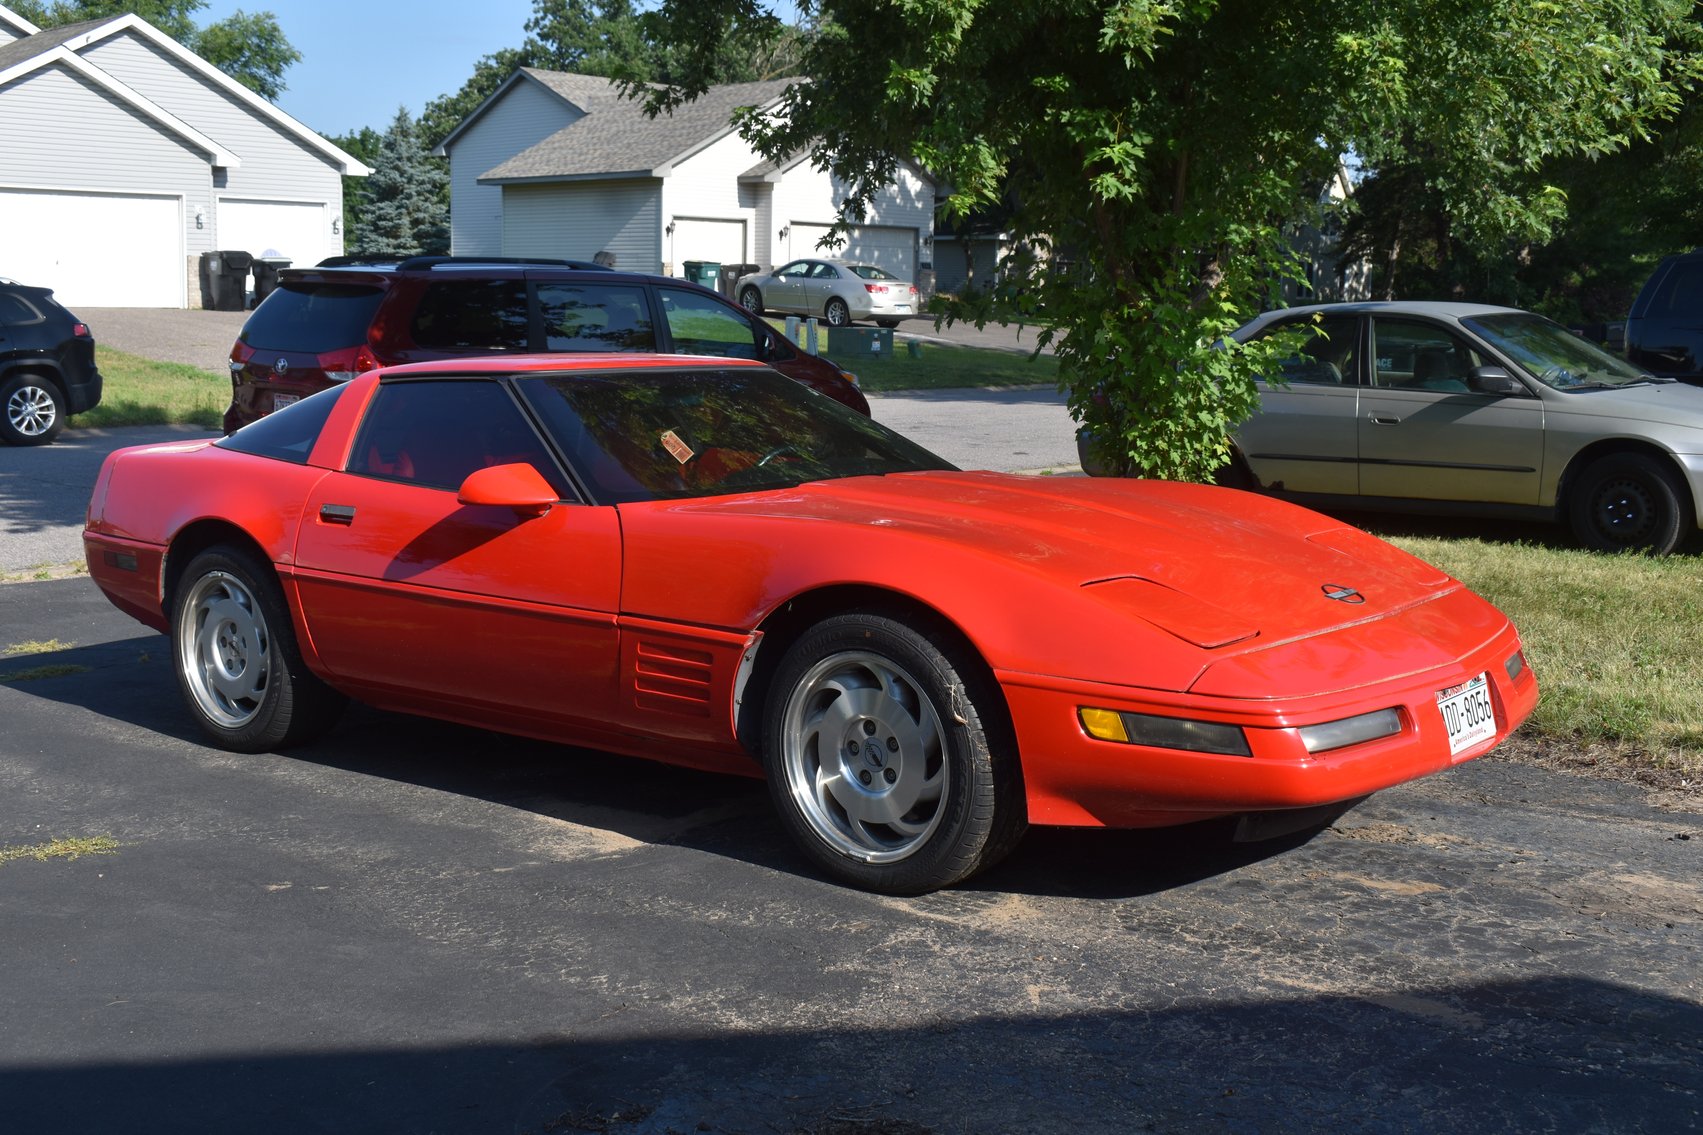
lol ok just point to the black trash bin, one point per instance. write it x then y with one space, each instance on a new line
730 273
266 268
224 280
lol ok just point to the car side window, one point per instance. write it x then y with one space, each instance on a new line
1328 355
595 317
435 432
797 270
472 315
825 272
703 325
1681 291
15 310
1420 356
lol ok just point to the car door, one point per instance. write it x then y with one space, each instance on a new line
700 324
1426 435
787 290
1302 438
413 598
823 282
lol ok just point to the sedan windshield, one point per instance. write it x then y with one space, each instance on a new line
1552 354
656 435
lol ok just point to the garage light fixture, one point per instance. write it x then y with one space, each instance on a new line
200 219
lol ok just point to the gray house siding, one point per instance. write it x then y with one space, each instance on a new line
524 116
276 164
579 220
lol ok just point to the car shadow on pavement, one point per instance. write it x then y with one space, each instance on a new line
131 681
1542 1054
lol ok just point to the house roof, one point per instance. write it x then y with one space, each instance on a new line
615 138
16 64
16 58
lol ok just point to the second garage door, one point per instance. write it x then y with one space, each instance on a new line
296 230
885 246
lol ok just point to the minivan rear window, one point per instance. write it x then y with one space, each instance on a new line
312 317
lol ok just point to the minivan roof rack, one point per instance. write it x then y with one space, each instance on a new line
421 263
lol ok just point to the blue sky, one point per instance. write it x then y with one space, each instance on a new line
361 59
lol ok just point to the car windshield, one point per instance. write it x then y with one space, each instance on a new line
871 272
1552 354
657 435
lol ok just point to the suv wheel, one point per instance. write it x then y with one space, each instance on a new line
32 411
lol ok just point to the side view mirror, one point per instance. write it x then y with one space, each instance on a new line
520 487
1494 380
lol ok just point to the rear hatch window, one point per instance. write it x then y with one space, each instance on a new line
312 317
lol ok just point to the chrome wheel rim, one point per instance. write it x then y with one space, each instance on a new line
750 300
865 757
838 314
225 650
31 411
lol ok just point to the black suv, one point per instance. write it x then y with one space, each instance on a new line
327 324
47 365
1664 332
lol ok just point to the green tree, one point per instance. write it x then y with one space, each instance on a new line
252 49
1156 149
405 211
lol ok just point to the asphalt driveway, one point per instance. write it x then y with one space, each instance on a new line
412 927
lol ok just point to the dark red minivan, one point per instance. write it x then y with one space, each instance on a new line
327 324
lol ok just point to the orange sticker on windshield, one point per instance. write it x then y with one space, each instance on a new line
678 449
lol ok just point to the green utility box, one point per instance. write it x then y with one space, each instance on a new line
860 340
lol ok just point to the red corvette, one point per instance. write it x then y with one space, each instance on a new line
701 562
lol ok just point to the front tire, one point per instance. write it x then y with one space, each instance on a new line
889 755
751 300
1629 502
234 651
32 410
837 313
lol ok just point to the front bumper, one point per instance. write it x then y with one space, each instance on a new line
1073 779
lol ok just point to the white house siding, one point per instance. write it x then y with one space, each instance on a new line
524 116
120 153
277 164
579 219
891 235
705 187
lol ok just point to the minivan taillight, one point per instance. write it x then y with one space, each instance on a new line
341 366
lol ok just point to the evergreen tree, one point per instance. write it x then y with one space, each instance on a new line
405 213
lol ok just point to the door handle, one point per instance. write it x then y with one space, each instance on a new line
337 513
1378 420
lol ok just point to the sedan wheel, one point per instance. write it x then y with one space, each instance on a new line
751 300
34 412
879 756
235 654
837 313
1629 503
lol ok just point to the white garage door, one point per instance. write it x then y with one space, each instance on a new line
296 230
96 249
885 246
720 241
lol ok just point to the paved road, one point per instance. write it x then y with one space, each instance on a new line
411 927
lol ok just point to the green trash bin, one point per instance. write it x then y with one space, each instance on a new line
703 272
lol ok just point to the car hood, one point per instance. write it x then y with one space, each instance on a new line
1666 403
1218 569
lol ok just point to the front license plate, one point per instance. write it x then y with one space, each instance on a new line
279 401
1467 714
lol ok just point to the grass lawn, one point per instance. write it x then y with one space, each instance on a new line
942 368
141 392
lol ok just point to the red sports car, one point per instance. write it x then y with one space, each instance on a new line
704 563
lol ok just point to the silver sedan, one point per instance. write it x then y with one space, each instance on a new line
837 290
1469 408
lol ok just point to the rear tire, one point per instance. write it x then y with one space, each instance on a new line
32 410
235 654
889 755
837 313
1630 502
